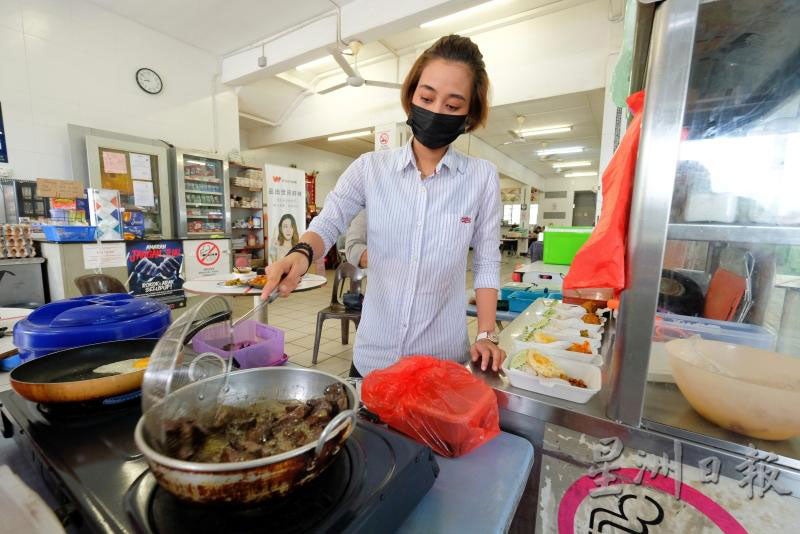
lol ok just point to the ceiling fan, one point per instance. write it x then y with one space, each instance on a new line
354 78
515 136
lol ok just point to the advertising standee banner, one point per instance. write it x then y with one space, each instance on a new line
154 270
285 189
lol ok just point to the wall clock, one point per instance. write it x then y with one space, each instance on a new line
149 81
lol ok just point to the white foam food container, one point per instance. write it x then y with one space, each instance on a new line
572 336
575 324
555 387
557 351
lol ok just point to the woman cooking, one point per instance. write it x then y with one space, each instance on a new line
426 205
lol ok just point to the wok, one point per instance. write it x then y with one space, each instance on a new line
68 375
253 480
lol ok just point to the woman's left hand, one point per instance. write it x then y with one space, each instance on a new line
486 351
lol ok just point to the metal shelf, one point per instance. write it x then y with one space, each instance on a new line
734 233
203 181
198 192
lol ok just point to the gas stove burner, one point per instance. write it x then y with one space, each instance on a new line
371 486
90 412
307 509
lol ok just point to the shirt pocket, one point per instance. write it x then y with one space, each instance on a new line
454 232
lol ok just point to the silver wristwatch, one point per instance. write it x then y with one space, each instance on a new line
491 336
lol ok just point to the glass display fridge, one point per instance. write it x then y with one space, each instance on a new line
715 238
20 202
201 189
695 427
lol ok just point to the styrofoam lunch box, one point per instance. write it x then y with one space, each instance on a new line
555 387
555 345
572 336
560 353
575 324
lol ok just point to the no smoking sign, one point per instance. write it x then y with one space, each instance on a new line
207 254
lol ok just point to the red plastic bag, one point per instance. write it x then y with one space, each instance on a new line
436 402
601 260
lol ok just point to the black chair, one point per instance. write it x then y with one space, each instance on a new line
337 310
99 284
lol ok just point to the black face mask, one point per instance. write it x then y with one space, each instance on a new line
435 130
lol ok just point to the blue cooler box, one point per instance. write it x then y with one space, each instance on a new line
88 320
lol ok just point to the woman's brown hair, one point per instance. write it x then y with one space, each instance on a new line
462 50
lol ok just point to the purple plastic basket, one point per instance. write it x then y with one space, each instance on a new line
266 350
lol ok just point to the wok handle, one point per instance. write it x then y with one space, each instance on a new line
201 324
334 423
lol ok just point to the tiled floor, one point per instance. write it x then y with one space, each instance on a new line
297 316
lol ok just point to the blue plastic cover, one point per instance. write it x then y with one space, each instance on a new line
87 320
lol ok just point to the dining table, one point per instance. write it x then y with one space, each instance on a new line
216 285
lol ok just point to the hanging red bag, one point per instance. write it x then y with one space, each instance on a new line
601 260
436 402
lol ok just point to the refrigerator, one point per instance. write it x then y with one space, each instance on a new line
20 201
202 194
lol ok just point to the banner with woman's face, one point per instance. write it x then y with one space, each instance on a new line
285 209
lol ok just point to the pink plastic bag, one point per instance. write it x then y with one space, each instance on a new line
436 402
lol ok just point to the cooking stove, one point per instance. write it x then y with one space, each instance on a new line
88 458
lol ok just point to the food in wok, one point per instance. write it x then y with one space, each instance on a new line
239 434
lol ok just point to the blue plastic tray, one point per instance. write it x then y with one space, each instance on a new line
63 234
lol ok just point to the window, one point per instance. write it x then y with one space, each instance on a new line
511 213
533 214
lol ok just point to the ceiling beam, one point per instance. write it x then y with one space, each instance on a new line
365 20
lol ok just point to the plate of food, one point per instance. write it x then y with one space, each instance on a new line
258 282
569 380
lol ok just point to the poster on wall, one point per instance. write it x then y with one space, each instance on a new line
105 213
154 270
511 195
285 189
207 258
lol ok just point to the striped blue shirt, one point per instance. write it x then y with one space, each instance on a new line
418 235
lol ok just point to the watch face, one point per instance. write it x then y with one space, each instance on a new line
149 81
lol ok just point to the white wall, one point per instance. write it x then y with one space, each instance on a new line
70 61
570 185
329 165
559 53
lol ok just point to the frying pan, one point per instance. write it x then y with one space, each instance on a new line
68 375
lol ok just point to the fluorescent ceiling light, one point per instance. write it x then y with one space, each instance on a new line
564 150
580 174
317 63
461 14
570 164
545 131
351 135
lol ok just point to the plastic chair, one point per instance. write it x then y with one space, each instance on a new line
99 284
337 310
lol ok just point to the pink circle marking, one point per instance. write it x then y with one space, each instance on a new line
580 489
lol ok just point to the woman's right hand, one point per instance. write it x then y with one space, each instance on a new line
293 267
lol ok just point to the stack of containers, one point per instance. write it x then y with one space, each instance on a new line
561 333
